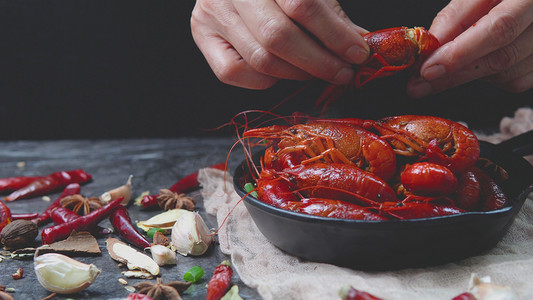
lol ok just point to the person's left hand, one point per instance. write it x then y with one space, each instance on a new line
485 39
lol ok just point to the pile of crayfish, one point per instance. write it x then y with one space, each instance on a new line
402 167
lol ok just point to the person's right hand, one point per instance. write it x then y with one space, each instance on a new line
254 43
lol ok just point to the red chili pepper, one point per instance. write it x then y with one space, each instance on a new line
28 216
14 183
5 215
465 296
49 183
350 293
71 189
182 186
220 282
83 223
121 221
62 215
149 201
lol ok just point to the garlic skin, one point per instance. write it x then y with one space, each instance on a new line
61 274
163 256
483 289
190 234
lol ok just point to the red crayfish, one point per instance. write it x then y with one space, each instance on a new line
391 50
401 167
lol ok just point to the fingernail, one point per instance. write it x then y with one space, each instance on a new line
356 54
419 88
344 76
433 72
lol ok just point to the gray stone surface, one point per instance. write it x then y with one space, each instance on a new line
154 163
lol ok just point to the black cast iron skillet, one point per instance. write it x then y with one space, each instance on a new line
389 245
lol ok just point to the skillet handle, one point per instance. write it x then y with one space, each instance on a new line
521 144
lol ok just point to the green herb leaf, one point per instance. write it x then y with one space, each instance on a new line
150 233
249 187
194 274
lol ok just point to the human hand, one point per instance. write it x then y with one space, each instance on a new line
485 39
254 43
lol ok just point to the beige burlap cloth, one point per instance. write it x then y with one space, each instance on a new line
278 275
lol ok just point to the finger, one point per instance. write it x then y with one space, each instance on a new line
226 63
516 79
520 84
229 67
508 60
258 57
234 55
493 31
278 34
457 17
327 21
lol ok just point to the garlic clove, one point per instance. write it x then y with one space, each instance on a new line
163 256
121 191
61 274
483 289
190 234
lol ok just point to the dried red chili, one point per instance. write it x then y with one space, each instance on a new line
186 184
121 221
24 216
83 223
62 215
5 215
350 293
71 189
219 284
49 183
14 183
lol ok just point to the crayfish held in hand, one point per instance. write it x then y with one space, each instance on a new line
402 167
391 50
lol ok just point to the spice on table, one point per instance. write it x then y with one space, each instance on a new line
167 199
24 216
19 234
80 205
121 191
194 274
71 189
5 215
132 258
220 282
83 223
62 215
121 222
18 274
78 243
50 183
51 269
350 293
159 238
14 183
160 290
187 184
190 234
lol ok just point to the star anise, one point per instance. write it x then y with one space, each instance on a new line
158 290
170 200
78 202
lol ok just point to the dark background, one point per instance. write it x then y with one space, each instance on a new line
121 69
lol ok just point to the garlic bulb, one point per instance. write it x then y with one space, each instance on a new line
61 274
190 235
162 255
